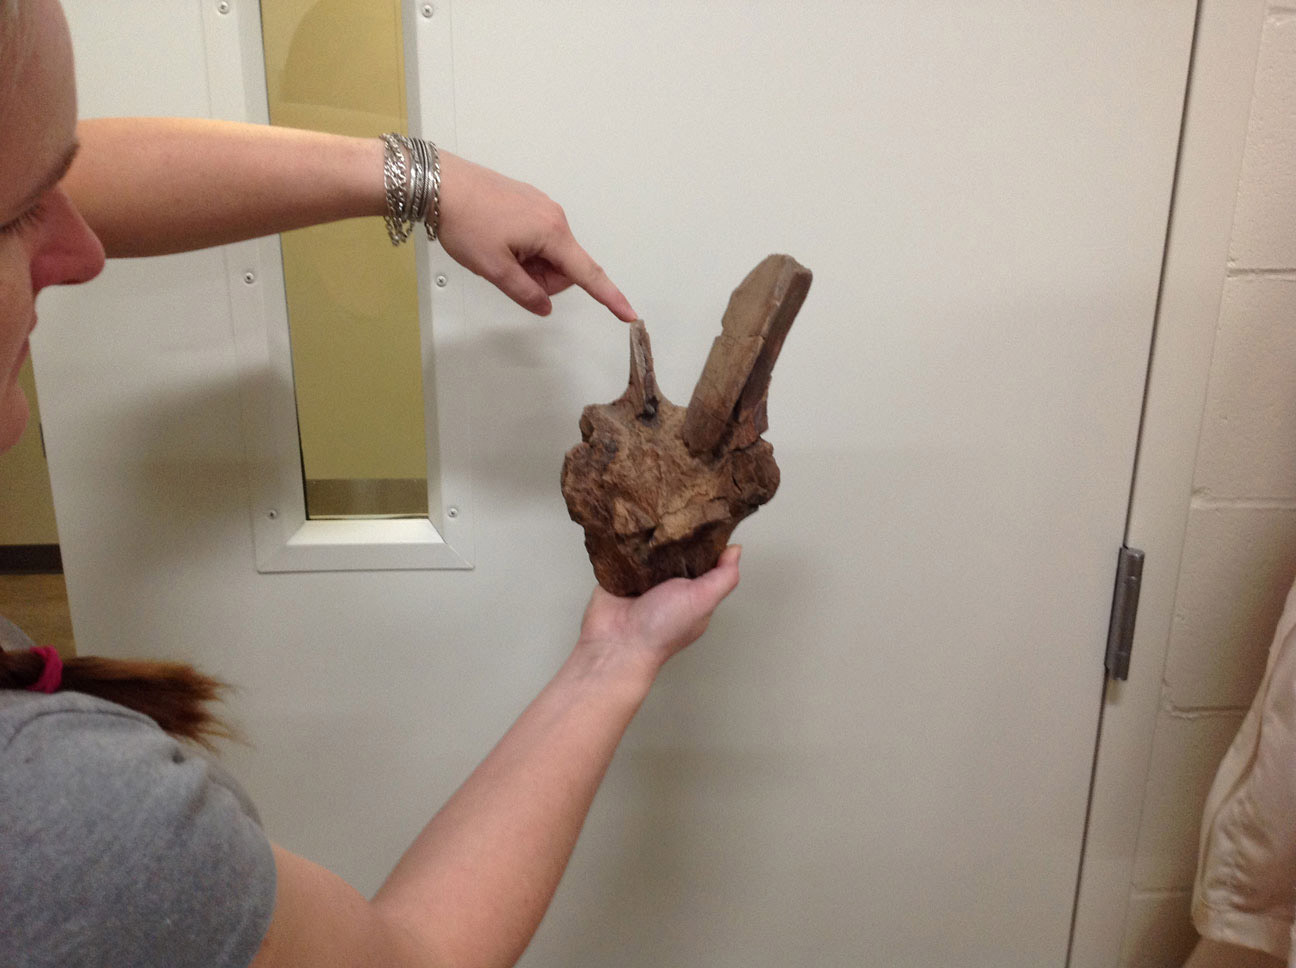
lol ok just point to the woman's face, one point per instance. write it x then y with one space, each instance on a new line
43 240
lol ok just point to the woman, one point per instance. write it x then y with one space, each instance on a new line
118 847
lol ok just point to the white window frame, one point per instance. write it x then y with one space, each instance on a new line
284 538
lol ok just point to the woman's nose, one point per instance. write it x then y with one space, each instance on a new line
67 250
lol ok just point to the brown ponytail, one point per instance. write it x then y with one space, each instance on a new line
172 694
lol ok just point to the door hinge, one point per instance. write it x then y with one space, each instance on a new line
1125 600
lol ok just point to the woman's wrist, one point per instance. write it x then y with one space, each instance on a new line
361 171
614 666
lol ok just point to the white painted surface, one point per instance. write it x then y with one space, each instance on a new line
881 752
1238 565
1187 750
1264 235
1158 930
1248 442
1203 630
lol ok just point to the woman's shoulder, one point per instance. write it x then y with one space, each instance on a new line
118 837
64 713
55 744
69 755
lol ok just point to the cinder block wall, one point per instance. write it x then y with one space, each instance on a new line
1239 555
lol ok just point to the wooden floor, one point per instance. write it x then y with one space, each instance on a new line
38 605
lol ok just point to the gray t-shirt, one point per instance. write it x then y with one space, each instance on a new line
120 846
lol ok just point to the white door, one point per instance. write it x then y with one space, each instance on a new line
880 753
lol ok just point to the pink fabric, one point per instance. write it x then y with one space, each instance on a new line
51 676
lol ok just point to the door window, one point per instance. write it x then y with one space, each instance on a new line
353 312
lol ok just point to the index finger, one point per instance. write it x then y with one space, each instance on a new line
577 265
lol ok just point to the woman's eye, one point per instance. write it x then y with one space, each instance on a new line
29 217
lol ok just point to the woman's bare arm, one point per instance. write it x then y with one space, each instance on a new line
152 186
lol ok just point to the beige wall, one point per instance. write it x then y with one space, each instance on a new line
338 65
1239 554
27 510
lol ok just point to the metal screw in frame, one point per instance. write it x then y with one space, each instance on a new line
428 10
272 514
223 7
442 281
249 277
452 512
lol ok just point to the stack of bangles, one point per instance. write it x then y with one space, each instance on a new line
412 183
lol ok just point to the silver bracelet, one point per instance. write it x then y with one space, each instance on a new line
395 188
419 179
433 221
412 186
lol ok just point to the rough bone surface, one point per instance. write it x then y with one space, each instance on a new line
659 488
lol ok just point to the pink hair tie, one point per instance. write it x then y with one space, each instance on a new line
51 676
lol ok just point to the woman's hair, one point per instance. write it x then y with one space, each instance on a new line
172 694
